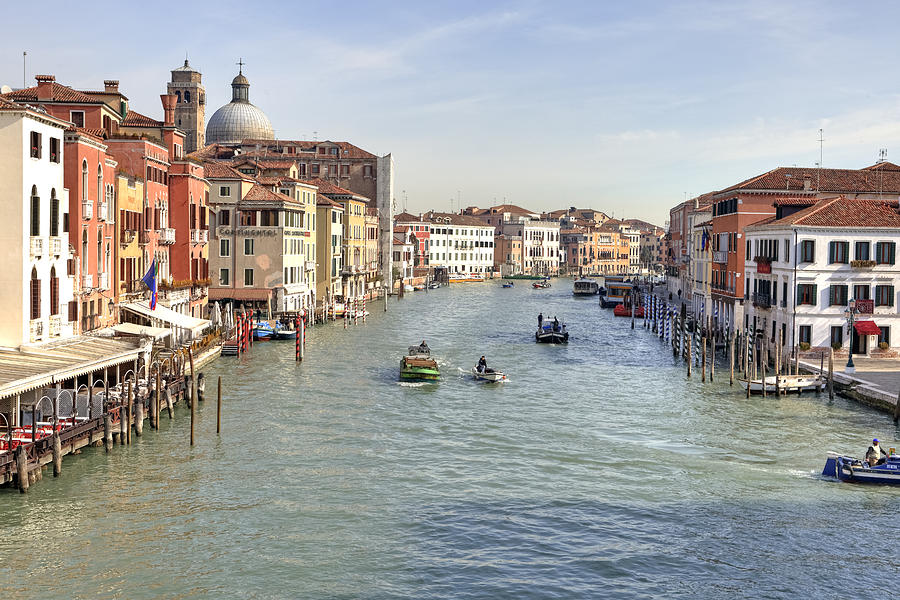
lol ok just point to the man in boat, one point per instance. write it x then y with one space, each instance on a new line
555 324
423 348
875 455
482 364
540 319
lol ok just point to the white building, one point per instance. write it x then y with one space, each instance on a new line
804 268
462 243
37 275
404 251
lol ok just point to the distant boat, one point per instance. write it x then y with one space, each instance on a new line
539 285
548 334
508 284
787 383
466 278
585 287
490 375
418 365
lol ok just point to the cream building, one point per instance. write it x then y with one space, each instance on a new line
36 288
329 244
462 243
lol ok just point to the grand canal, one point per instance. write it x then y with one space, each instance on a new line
597 470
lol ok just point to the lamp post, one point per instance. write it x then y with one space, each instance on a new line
851 309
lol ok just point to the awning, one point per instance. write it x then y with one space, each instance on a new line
866 328
166 316
157 333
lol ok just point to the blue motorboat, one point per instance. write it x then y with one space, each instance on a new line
262 331
508 284
549 333
854 470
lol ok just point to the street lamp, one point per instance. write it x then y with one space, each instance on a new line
851 309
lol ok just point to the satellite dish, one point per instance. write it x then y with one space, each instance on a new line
5 89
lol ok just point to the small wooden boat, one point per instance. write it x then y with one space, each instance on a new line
854 470
538 285
787 383
489 375
418 365
548 334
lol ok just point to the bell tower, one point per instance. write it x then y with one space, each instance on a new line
190 106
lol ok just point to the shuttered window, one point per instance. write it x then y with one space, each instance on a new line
806 294
885 253
838 295
884 295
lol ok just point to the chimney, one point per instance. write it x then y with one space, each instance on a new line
45 86
807 181
111 85
168 102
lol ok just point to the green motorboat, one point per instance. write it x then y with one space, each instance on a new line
418 365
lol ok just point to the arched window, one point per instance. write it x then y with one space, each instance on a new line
99 253
84 252
35 295
54 213
187 96
54 292
178 95
99 181
35 212
84 181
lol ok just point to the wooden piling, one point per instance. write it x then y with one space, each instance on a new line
219 406
57 453
22 468
778 366
712 361
703 359
690 358
831 373
731 359
107 431
169 403
139 417
122 415
158 396
153 403
193 410
129 404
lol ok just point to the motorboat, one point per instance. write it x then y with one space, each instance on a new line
466 277
620 310
263 331
616 291
542 284
418 365
548 333
434 285
490 375
787 383
854 470
283 333
508 284
585 287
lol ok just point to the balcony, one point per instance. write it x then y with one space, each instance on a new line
55 325
167 236
87 210
103 212
87 281
199 236
310 265
37 247
36 330
862 264
56 246
720 257
104 281
126 237
145 238
761 300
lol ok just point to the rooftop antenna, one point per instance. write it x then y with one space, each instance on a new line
24 76
404 200
457 201
821 148
882 158
315 136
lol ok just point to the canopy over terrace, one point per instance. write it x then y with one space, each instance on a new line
184 327
25 371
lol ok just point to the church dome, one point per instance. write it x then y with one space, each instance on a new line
239 119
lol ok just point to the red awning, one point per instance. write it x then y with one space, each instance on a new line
866 328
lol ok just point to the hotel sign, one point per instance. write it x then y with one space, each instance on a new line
247 231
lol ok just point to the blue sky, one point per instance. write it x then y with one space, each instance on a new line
624 107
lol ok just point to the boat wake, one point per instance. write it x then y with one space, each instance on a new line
414 384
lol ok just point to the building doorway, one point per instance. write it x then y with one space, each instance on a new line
858 343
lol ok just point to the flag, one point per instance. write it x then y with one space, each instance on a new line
150 281
704 240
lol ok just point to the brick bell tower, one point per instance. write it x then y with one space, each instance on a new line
190 107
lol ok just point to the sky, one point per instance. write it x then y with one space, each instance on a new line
625 107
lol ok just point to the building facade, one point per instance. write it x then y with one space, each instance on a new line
462 243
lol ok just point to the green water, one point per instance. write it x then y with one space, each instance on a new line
597 470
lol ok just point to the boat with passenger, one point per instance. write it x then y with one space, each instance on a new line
466 278
552 333
854 470
418 365
616 291
508 284
263 331
542 284
585 287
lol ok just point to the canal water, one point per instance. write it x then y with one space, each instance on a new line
597 470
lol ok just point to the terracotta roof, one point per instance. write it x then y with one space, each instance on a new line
213 151
322 200
502 208
839 212
871 179
272 163
58 93
348 150
642 225
136 119
329 189
260 193
455 219
801 201
98 134
882 166
405 217
7 105
219 170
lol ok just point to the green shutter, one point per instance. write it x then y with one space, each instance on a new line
815 299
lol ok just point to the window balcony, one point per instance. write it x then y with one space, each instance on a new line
126 237
87 210
36 329
56 246
103 212
720 257
37 247
167 236
87 281
55 325
104 281
199 236
761 300
310 265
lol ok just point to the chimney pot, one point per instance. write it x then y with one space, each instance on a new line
45 86
111 85
168 103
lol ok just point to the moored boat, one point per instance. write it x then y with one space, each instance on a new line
466 277
620 310
549 333
787 383
585 287
508 284
854 470
263 331
418 365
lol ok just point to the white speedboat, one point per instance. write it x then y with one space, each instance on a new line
787 383
491 375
